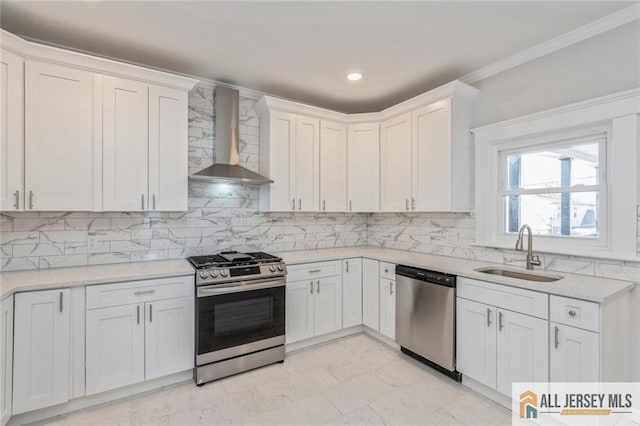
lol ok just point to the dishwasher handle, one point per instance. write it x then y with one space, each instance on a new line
434 277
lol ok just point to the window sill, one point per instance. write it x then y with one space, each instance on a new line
588 252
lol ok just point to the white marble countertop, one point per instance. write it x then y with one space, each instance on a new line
43 279
583 287
576 286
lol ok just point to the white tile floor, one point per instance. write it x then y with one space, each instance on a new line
354 380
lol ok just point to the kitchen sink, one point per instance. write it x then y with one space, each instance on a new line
529 276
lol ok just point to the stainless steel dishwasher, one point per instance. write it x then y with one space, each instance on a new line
426 317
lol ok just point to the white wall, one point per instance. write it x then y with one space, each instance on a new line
604 64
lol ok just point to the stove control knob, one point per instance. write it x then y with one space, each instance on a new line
223 273
214 274
203 274
272 268
281 267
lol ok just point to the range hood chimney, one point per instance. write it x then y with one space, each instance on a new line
227 170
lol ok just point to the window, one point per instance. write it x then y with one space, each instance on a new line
555 187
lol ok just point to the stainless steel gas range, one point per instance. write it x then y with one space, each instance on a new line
240 311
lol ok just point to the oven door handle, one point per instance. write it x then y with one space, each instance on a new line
214 290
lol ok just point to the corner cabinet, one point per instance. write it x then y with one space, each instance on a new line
80 133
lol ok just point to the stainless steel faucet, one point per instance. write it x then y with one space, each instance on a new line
531 259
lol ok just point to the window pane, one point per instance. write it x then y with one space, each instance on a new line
552 168
569 214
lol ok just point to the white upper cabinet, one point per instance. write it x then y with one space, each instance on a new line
61 114
333 166
395 164
363 167
59 139
277 138
168 150
125 144
306 154
11 131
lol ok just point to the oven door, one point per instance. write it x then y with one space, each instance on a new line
239 318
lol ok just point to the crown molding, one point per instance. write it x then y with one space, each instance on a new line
590 111
602 25
40 51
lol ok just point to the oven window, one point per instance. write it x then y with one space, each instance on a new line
229 320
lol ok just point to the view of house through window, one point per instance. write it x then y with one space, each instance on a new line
556 190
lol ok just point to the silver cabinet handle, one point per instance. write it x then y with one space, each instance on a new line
391 288
324 205
386 270
17 195
347 262
299 203
318 286
488 317
293 204
350 206
556 338
572 313
30 200
141 201
406 204
139 292
315 271
413 204
150 312
153 199
311 287
61 301
138 314
500 315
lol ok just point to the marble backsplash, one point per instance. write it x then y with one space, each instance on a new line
227 217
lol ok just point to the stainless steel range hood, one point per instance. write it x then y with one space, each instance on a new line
227 170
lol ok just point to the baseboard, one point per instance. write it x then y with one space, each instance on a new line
302 344
485 390
108 397
381 337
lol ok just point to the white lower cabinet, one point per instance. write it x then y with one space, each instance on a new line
6 358
41 350
351 292
574 355
476 341
314 305
371 294
388 308
133 342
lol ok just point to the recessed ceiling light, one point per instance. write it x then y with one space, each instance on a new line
354 76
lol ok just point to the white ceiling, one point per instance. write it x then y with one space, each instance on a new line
304 50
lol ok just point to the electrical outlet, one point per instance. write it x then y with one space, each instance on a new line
92 242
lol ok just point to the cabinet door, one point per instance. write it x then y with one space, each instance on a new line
370 294
59 141
115 347
306 153
41 350
327 305
333 167
168 336
363 167
11 132
6 358
431 155
351 292
277 141
395 164
299 310
168 149
476 341
388 308
522 350
125 149
574 354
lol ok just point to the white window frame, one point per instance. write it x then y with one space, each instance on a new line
600 134
619 114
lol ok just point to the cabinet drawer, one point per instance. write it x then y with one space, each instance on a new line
511 298
102 296
576 313
307 271
387 270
